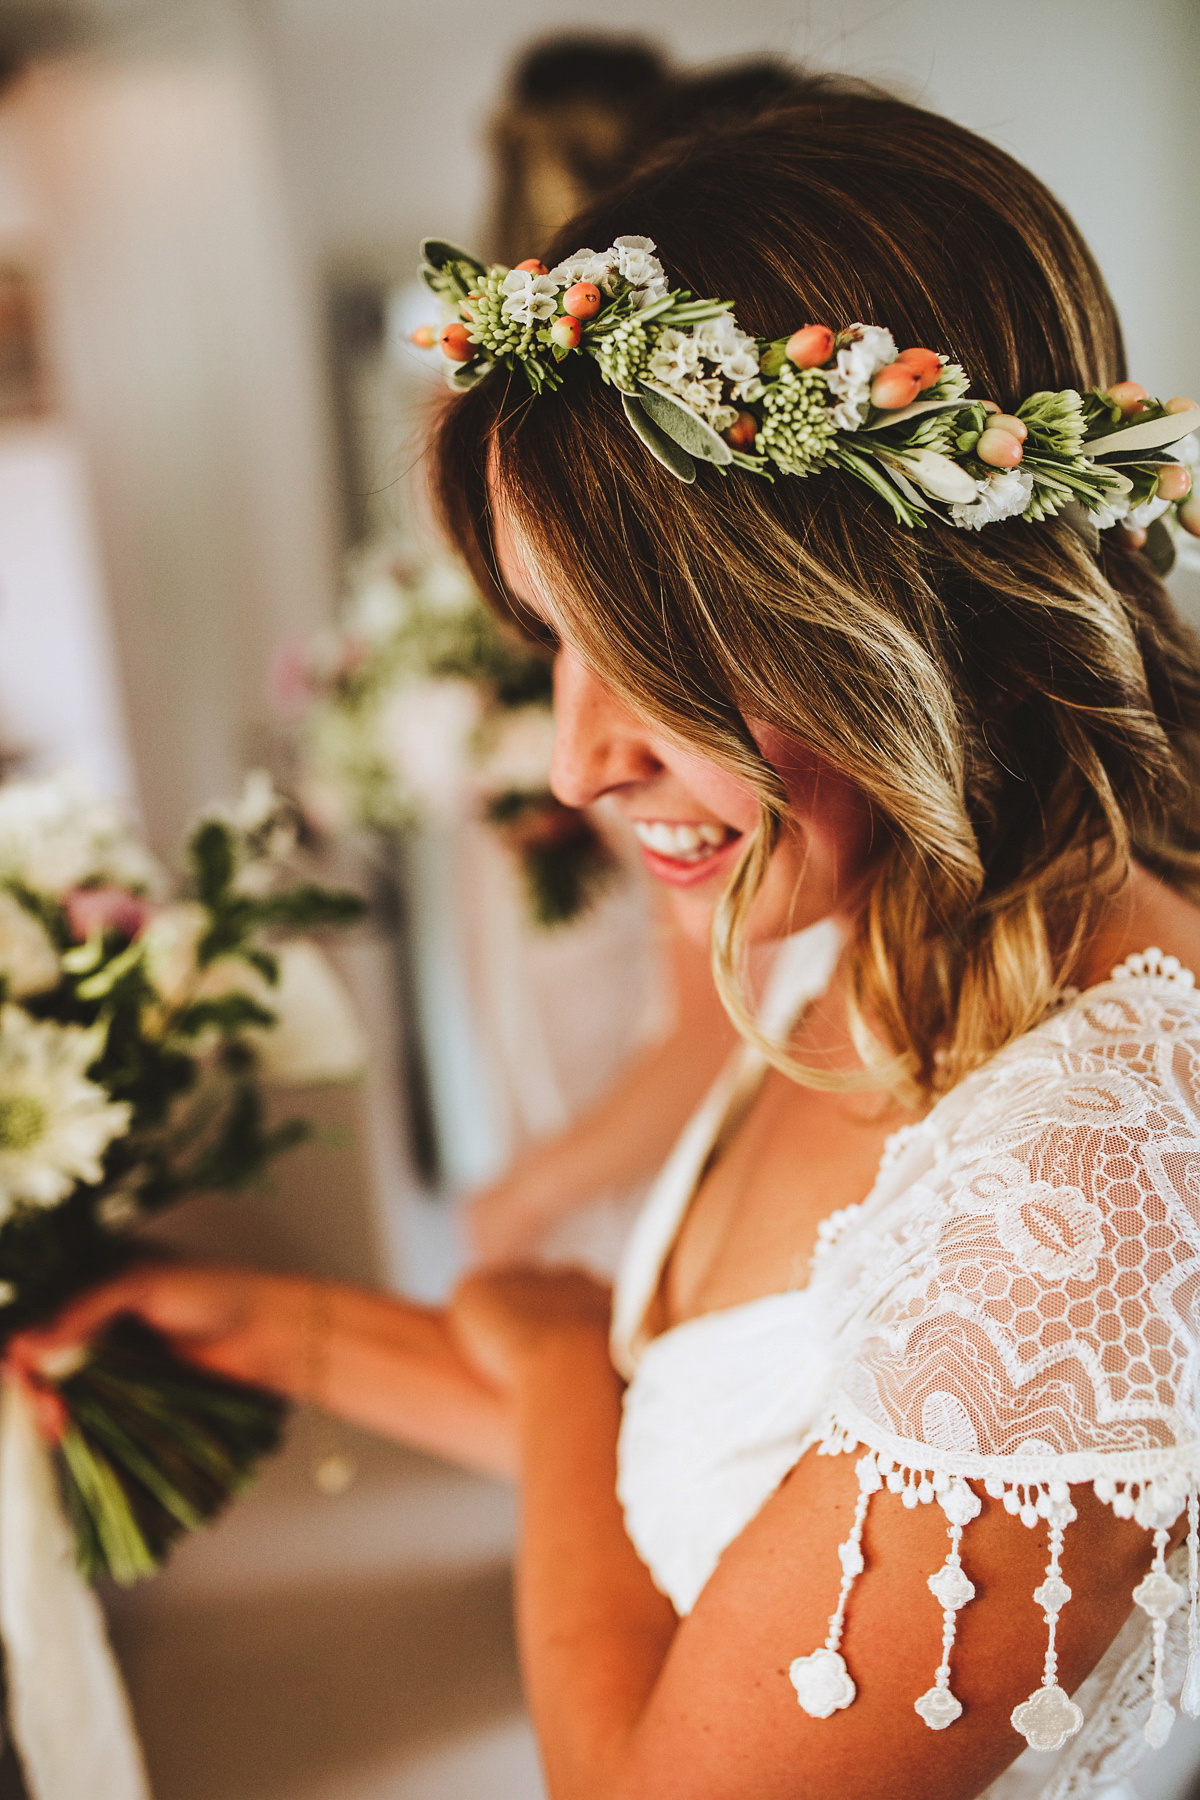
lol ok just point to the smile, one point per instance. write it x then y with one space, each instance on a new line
682 843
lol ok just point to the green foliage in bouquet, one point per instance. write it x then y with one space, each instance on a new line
420 708
135 1039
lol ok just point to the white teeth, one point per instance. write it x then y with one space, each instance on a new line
683 843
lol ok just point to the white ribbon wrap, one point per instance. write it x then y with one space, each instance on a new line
67 1708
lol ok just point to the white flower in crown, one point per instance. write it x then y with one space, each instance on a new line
1110 512
531 298
1146 513
1003 495
55 1124
580 266
857 364
708 399
676 359
822 1683
637 262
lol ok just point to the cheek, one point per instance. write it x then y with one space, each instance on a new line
723 794
823 802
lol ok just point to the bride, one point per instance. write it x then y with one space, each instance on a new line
875 1474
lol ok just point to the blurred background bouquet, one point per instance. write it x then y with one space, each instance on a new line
137 1035
419 709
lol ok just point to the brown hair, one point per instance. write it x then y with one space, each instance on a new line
1021 713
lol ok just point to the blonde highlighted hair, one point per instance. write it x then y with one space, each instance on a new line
1022 713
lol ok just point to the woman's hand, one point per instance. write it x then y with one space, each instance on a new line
238 1323
506 1320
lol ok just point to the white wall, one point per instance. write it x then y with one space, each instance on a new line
190 364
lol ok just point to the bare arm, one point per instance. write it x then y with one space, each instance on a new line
370 1358
630 1705
626 1136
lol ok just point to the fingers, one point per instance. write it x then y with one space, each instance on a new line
80 1321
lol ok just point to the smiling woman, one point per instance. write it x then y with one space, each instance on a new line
878 1472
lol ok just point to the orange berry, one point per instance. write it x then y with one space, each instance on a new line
925 365
1135 536
810 347
1128 395
999 448
566 332
989 406
456 343
1189 515
1009 422
583 301
534 267
425 337
1180 404
742 433
1174 482
894 387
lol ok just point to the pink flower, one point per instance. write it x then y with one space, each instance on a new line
290 679
91 911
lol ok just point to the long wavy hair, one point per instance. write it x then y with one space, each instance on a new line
1021 711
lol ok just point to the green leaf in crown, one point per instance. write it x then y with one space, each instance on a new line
696 388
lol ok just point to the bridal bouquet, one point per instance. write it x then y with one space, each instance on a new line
417 709
136 1035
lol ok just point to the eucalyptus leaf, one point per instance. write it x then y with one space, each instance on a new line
468 375
437 254
665 449
1082 523
937 474
915 411
686 427
1155 434
1159 548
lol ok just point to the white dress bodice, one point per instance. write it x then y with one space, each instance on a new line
719 1408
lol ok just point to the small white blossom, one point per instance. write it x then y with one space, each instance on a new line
707 398
638 264
1188 449
857 365
1112 511
1146 513
1002 496
531 298
55 1124
676 359
28 960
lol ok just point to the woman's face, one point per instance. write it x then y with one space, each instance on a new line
691 816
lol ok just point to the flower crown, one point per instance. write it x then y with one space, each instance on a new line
696 388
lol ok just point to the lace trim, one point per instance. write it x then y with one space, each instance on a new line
1049 1717
1152 965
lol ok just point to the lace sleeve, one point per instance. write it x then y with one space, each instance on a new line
1027 1313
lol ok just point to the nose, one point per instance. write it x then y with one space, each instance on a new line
599 745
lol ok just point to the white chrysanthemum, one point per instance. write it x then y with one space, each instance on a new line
638 264
857 365
515 756
676 359
28 960
530 298
56 833
1002 496
424 733
1113 511
55 1124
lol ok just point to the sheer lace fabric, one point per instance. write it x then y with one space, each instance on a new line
1014 1304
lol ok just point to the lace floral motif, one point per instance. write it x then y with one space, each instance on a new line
1026 1283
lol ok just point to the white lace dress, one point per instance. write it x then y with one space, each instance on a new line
1016 1303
